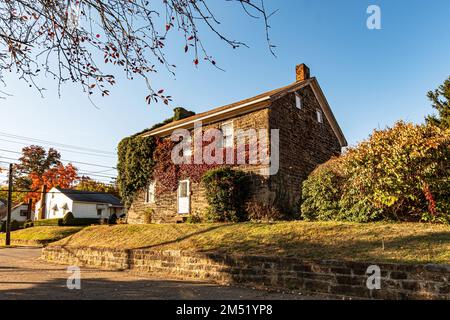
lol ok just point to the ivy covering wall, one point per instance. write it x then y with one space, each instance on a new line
136 159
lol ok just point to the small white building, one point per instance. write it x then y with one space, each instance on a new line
82 204
19 212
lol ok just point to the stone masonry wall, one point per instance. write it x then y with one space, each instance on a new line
304 144
164 210
330 277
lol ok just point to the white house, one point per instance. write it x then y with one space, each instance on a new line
82 204
19 212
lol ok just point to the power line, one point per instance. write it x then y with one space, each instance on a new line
65 150
72 161
80 172
18 137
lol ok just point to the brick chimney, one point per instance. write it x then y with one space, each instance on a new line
301 72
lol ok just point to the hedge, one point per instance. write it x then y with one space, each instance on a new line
48 222
15 225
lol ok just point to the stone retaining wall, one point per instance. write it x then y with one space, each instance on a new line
342 278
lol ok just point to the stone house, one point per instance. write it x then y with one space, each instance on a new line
308 135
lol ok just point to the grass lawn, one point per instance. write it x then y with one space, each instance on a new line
405 242
41 234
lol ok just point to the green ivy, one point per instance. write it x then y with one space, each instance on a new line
135 165
136 159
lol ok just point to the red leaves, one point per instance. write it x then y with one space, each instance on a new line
161 91
186 48
60 175
196 61
97 36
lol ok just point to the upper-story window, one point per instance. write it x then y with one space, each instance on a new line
150 192
228 134
298 101
319 115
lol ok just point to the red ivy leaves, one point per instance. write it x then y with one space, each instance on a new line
167 174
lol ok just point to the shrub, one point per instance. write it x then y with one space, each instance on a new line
28 224
225 193
15 225
3 226
194 218
112 219
76 222
321 192
263 212
401 174
48 222
68 218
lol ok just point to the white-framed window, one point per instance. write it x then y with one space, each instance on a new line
298 101
228 134
319 116
150 192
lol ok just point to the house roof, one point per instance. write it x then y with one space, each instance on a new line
4 210
91 196
252 104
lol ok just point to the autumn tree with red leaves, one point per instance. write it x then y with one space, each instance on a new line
73 40
63 176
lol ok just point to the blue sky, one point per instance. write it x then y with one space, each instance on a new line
371 77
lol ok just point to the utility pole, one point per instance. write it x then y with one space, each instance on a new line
8 217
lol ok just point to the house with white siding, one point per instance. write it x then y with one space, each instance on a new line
82 204
19 212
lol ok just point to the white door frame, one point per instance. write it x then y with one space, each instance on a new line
185 207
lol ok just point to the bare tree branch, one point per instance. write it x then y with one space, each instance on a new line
64 39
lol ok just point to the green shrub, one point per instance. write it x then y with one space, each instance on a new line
68 219
3 226
48 222
398 174
225 193
194 218
15 225
112 219
322 192
83 222
28 224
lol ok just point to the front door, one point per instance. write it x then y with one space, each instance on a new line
183 197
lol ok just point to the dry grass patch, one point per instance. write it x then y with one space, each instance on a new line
383 242
42 234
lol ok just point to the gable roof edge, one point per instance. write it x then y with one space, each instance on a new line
328 113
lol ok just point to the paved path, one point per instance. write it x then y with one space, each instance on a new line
24 276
